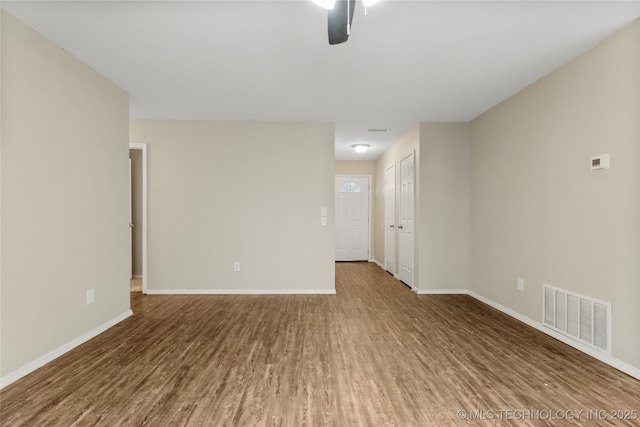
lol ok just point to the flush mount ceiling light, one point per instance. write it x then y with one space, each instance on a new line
360 148
340 17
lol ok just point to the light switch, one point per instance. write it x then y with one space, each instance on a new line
323 211
323 220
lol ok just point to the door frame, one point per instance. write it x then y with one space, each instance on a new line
369 179
130 218
145 271
395 243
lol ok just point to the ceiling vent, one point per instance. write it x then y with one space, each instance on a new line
380 130
581 318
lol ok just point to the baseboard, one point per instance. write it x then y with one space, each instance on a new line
241 291
40 362
441 291
376 262
382 266
603 357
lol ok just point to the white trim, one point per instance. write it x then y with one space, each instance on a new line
145 270
52 355
603 357
396 276
441 291
241 291
131 230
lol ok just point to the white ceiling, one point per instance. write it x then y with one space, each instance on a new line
408 61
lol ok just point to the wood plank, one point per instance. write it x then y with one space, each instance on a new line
374 354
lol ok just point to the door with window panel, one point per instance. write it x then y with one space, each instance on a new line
352 218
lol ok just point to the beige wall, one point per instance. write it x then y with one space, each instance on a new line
444 206
64 197
406 145
356 168
136 211
539 213
221 192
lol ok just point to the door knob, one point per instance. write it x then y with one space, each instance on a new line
400 226
392 226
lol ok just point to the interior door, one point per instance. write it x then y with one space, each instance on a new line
390 220
352 218
406 226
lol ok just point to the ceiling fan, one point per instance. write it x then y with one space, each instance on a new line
340 17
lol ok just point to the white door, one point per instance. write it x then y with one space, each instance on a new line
390 220
352 218
406 226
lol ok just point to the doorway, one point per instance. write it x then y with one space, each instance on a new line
138 222
352 194
407 224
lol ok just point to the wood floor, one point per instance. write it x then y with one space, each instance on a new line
375 354
135 285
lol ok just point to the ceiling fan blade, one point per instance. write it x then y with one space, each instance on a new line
339 19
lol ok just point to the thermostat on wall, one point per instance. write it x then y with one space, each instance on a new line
600 162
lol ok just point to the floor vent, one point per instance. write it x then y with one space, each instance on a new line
584 319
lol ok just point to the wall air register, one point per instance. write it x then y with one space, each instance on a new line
584 319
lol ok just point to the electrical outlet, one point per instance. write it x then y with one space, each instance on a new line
520 285
90 296
236 266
